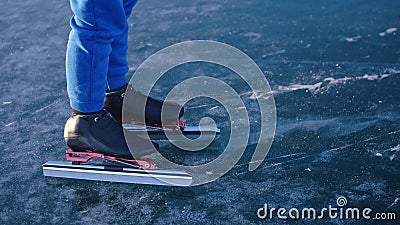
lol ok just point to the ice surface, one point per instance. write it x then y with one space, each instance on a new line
333 67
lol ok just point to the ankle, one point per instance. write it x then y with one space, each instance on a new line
122 89
76 112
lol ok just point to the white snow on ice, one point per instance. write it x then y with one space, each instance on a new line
330 82
388 31
352 39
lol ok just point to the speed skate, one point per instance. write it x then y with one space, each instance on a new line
86 165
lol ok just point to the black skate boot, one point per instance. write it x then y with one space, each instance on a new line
113 104
100 133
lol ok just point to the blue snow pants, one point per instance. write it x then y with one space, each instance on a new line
96 58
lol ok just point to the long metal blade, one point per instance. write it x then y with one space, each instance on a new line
168 177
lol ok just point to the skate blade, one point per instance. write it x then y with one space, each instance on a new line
157 133
166 177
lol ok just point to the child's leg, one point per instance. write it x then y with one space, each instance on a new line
118 64
94 26
116 81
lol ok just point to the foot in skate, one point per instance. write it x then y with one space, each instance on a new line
100 133
114 100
